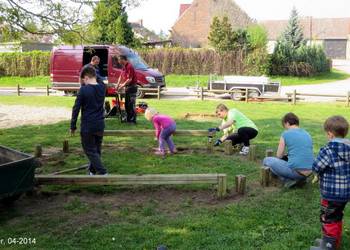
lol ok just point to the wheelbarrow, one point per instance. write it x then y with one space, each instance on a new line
16 174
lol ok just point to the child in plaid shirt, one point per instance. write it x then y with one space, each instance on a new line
333 167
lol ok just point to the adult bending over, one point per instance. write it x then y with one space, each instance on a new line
297 165
233 119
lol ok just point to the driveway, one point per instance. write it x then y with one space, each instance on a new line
333 88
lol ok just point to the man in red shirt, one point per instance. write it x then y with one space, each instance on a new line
128 80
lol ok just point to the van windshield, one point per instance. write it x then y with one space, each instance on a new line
137 61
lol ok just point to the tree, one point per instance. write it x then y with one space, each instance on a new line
55 17
110 23
293 34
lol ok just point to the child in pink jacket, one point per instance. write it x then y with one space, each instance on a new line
165 126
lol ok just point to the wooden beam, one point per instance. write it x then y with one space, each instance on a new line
65 146
156 179
38 151
228 147
149 132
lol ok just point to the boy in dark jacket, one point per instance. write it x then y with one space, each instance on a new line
90 100
333 167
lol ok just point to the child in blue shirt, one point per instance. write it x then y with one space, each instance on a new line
333 167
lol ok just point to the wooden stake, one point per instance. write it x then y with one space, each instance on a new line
210 144
246 94
269 152
240 182
252 153
65 146
348 99
18 90
47 90
202 95
38 151
228 147
294 98
265 176
222 185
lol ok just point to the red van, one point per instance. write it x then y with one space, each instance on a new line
67 61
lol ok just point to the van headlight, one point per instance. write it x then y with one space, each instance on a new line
150 79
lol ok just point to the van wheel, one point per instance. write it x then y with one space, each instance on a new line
237 95
140 94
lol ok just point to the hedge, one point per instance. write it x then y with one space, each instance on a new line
168 61
34 63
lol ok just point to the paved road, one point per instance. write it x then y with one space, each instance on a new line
333 88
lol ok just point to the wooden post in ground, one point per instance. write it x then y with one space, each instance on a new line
65 146
47 90
348 99
158 93
252 153
265 176
240 182
246 94
228 147
294 97
38 151
202 94
210 144
18 90
269 152
222 185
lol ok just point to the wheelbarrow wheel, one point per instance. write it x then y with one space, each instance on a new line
10 199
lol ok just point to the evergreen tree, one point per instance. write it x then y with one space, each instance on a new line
293 34
221 35
110 24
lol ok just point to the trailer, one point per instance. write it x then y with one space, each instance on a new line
240 85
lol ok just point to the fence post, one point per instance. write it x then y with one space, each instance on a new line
158 96
222 186
246 94
294 97
348 99
202 95
240 181
47 90
18 90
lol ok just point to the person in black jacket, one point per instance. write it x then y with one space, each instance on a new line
95 61
90 100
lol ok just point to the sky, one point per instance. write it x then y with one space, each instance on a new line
160 15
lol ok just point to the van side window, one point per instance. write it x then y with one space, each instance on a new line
115 63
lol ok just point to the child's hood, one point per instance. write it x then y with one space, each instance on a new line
341 147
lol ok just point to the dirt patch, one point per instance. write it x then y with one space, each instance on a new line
18 115
199 117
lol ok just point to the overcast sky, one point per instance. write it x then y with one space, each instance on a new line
161 14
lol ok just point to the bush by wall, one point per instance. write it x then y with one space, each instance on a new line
34 63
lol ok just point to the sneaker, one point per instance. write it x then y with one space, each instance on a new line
91 173
290 183
161 153
244 151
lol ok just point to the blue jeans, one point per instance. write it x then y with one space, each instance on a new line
91 143
165 138
280 168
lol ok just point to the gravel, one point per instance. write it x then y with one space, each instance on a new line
18 115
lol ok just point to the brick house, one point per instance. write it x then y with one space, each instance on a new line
332 33
193 24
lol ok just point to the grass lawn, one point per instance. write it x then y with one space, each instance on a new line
180 217
186 80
